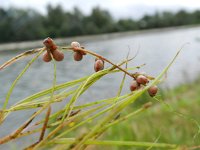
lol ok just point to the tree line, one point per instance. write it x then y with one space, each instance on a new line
21 25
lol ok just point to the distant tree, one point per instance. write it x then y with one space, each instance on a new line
75 23
54 20
101 19
167 19
196 17
144 22
6 29
182 18
30 25
21 24
127 25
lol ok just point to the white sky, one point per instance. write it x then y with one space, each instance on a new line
118 8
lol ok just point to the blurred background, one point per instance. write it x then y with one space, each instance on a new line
156 29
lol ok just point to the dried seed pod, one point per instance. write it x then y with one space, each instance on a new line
78 56
141 79
46 57
98 65
49 43
58 55
53 48
75 44
99 59
134 85
153 90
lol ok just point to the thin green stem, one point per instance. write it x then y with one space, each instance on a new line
17 79
116 143
39 103
99 56
136 112
49 108
47 91
90 80
123 79
116 121
73 118
120 107
20 56
91 118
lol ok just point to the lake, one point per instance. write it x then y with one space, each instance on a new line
156 49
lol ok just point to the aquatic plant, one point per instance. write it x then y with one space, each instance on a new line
64 126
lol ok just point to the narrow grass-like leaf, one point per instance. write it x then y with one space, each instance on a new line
17 79
117 143
94 116
120 107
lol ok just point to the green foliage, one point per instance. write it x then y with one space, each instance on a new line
160 122
20 25
66 125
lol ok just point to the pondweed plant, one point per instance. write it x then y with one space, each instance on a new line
64 127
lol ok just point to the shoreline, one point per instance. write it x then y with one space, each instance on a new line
13 46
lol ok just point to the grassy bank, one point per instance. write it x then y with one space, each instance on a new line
174 123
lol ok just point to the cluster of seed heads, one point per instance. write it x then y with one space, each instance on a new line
142 80
78 55
52 50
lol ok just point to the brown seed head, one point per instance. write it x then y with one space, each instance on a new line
53 47
134 85
153 90
46 57
58 55
141 79
98 65
78 56
99 59
49 43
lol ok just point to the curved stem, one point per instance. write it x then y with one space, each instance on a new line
17 79
100 57
116 143
20 56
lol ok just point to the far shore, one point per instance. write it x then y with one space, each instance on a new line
64 41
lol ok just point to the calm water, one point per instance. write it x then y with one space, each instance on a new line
155 49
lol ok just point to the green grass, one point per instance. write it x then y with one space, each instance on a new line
173 124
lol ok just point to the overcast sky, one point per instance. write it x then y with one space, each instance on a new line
118 8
